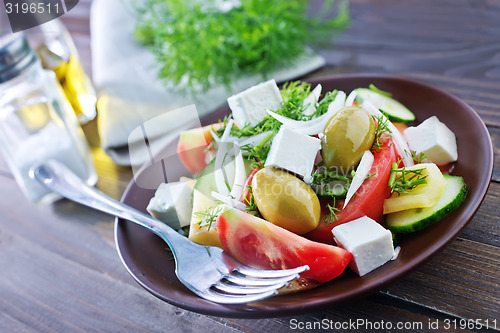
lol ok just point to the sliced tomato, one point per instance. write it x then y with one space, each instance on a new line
368 200
192 147
261 244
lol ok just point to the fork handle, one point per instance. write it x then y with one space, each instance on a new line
59 179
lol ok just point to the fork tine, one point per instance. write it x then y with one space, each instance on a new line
249 281
238 289
268 273
214 296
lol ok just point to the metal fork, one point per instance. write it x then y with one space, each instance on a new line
207 271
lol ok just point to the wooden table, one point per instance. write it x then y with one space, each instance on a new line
59 270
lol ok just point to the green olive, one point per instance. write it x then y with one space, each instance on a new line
285 200
347 135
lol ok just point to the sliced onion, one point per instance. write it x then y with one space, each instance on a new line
399 141
396 253
227 130
316 125
239 173
229 201
351 98
312 101
222 153
214 135
359 177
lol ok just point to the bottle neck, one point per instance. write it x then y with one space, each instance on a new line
16 56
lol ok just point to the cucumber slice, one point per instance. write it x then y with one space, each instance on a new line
394 110
416 219
205 182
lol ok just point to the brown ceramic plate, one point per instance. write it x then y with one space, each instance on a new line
150 264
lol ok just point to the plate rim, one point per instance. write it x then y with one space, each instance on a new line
233 312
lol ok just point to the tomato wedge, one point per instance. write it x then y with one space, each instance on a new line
368 200
261 244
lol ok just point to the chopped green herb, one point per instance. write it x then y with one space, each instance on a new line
258 154
403 180
250 202
332 213
198 44
209 216
417 158
323 104
323 176
382 134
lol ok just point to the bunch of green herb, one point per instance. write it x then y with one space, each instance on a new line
199 44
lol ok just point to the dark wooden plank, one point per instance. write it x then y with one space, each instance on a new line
79 254
462 279
495 138
60 274
435 40
485 226
72 279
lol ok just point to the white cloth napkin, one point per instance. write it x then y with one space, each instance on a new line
130 94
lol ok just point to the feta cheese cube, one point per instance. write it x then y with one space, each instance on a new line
171 203
294 152
369 242
250 106
434 139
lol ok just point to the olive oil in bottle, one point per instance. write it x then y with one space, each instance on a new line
77 88
57 52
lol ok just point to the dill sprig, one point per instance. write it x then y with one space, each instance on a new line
258 153
382 134
199 44
208 216
417 158
332 213
403 180
323 104
293 94
251 204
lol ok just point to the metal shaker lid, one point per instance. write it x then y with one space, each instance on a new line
16 55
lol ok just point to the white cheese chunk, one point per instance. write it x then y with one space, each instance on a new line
434 139
370 243
249 106
171 203
294 152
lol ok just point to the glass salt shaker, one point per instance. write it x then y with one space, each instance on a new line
37 122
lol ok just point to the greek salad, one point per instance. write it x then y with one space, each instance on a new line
299 176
